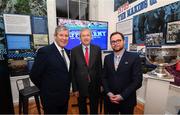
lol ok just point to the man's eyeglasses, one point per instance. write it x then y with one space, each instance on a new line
115 41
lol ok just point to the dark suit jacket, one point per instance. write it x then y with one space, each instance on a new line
49 73
80 71
126 80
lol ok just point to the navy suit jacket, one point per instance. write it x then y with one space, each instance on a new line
50 74
126 79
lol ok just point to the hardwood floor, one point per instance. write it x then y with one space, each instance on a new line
72 109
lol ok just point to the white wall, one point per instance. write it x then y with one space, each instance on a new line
51 14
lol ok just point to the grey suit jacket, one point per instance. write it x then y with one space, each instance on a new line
80 71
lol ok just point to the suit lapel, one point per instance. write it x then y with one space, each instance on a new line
122 61
57 53
92 56
82 54
112 61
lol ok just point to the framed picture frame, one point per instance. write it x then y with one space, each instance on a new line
173 32
155 39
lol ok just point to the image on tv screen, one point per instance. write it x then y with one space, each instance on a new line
17 42
99 32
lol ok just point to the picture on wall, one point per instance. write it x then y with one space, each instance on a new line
17 24
39 24
27 7
155 39
40 40
154 21
173 32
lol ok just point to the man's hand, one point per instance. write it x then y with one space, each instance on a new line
114 98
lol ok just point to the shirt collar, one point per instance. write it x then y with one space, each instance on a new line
84 47
59 48
120 54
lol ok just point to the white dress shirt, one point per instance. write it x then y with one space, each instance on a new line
65 54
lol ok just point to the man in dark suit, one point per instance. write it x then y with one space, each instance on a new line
50 73
122 76
86 72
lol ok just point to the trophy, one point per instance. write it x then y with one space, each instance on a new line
162 57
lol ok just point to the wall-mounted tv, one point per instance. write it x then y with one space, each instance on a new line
18 42
99 31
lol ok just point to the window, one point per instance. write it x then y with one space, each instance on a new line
74 9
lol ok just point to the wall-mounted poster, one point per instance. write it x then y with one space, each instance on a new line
17 24
125 27
39 25
118 3
40 40
155 39
27 7
154 21
173 32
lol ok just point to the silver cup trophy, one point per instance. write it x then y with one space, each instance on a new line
162 57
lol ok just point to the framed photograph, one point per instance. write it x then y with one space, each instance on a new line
173 32
155 39
155 21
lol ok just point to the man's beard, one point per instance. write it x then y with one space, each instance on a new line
117 50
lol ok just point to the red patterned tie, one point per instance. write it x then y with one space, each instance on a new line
87 56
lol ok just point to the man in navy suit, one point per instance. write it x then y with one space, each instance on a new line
122 76
86 66
50 73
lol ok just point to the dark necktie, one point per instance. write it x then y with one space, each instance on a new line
64 57
87 56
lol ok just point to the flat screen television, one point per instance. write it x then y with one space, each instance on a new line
18 42
99 32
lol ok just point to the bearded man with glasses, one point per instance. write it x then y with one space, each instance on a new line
122 76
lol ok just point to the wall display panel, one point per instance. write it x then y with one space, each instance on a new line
40 40
17 24
20 51
125 27
173 32
154 21
39 25
3 51
18 42
99 32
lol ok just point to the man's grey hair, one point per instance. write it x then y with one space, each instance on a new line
84 30
60 28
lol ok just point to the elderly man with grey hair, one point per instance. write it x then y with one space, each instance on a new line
50 73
